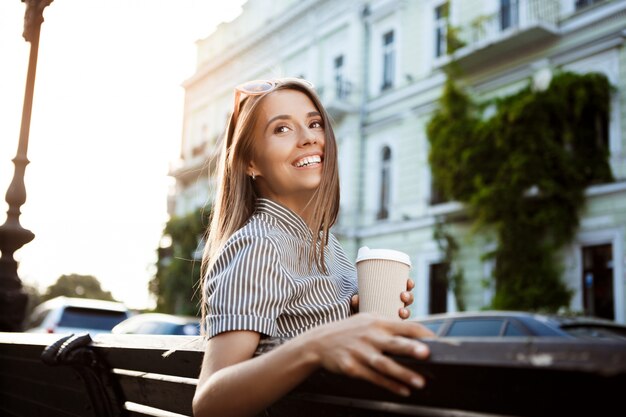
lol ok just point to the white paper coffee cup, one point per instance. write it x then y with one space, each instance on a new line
382 277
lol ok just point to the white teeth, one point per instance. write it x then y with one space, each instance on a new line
316 159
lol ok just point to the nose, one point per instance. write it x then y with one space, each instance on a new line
309 137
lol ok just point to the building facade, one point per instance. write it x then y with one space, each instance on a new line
378 66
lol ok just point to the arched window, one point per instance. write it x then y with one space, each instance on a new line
385 183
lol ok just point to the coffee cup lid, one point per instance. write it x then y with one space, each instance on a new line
366 253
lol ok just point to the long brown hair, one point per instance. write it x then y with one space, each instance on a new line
236 195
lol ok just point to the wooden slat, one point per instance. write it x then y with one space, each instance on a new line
55 396
138 410
21 351
24 339
603 357
28 387
27 405
59 376
343 407
183 354
481 389
181 363
170 394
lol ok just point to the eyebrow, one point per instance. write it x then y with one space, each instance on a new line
288 117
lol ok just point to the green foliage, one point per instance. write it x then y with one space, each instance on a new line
178 267
523 172
453 40
79 286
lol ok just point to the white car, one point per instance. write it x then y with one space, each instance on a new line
76 315
157 323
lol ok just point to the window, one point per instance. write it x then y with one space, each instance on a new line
436 194
385 184
598 281
584 3
340 87
513 329
438 288
388 60
433 326
91 318
441 29
509 14
479 328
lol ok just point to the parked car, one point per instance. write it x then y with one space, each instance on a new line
514 323
76 315
157 323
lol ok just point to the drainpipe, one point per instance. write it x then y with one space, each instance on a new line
362 116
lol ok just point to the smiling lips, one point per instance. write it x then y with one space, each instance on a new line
308 161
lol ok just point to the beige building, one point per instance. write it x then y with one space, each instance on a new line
378 68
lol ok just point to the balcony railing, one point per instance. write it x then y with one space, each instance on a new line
518 24
338 98
515 15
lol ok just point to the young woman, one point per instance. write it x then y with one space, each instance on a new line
273 270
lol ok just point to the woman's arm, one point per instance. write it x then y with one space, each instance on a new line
231 383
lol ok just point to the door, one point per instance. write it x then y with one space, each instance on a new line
438 288
597 281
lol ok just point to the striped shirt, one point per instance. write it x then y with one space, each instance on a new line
262 281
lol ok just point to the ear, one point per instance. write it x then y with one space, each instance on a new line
252 169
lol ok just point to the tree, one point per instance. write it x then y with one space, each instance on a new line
178 266
79 286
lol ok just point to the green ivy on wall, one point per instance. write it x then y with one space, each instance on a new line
522 172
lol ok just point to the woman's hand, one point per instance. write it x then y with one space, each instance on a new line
405 296
407 299
356 347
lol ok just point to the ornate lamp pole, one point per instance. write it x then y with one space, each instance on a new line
12 235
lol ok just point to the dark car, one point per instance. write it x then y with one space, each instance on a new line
157 323
514 323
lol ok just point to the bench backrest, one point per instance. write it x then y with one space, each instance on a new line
134 375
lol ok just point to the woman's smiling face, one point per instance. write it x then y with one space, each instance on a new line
288 148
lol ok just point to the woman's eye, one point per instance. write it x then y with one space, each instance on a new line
281 129
316 124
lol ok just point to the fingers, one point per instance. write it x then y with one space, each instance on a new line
383 371
358 348
354 303
408 329
388 366
403 346
370 374
407 298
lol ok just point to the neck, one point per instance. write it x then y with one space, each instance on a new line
300 204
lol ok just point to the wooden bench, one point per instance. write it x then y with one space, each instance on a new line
129 375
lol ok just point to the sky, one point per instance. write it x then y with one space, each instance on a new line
106 124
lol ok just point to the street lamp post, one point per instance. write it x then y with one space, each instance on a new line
13 236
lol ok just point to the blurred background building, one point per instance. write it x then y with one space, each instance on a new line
378 66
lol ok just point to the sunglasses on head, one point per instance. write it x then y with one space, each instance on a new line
261 87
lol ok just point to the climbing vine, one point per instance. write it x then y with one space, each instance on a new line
522 173
449 247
